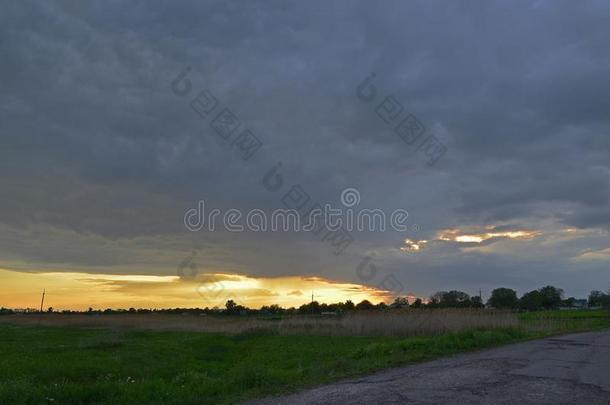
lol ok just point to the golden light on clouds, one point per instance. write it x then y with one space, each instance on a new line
413 246
79 291
456 235
469 235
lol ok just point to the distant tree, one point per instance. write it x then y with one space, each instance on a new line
457 299
569 302
337 307
382 306
311 308
503 298
349 305
365 305
552 297
437 299
232 308
599 299
399 302
450 299
476 302
230 305
272 309
50 310
531 301
417 303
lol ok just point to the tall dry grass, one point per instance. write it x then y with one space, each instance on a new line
392 323
402 323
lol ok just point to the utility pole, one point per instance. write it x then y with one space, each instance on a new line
42 302
312 297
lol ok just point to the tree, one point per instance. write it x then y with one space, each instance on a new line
349 305
311 308
417 303
272 309
382 306
476 302
437 298
599 299
232 308
531 301
503 298
451 299
569 302
365 305
552 297
399 302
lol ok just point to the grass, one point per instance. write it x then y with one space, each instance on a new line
555 322
574 314
360 323
42 364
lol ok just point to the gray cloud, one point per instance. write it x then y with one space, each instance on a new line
92 140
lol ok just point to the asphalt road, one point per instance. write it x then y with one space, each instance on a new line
572 369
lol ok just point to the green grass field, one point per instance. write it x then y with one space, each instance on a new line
575 314
72 365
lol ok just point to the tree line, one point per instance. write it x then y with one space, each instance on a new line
545 298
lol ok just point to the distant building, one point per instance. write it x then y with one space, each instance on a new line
580 304
576 304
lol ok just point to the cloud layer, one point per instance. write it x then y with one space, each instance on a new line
99 159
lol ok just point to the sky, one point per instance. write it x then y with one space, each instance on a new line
111 130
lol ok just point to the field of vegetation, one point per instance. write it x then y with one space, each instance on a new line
407 322
224 360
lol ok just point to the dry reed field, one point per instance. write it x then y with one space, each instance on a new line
410 322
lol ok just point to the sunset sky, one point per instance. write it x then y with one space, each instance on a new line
102 152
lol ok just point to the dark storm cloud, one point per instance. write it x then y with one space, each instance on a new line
92 139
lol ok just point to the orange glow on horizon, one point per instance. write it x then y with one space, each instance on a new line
79 291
